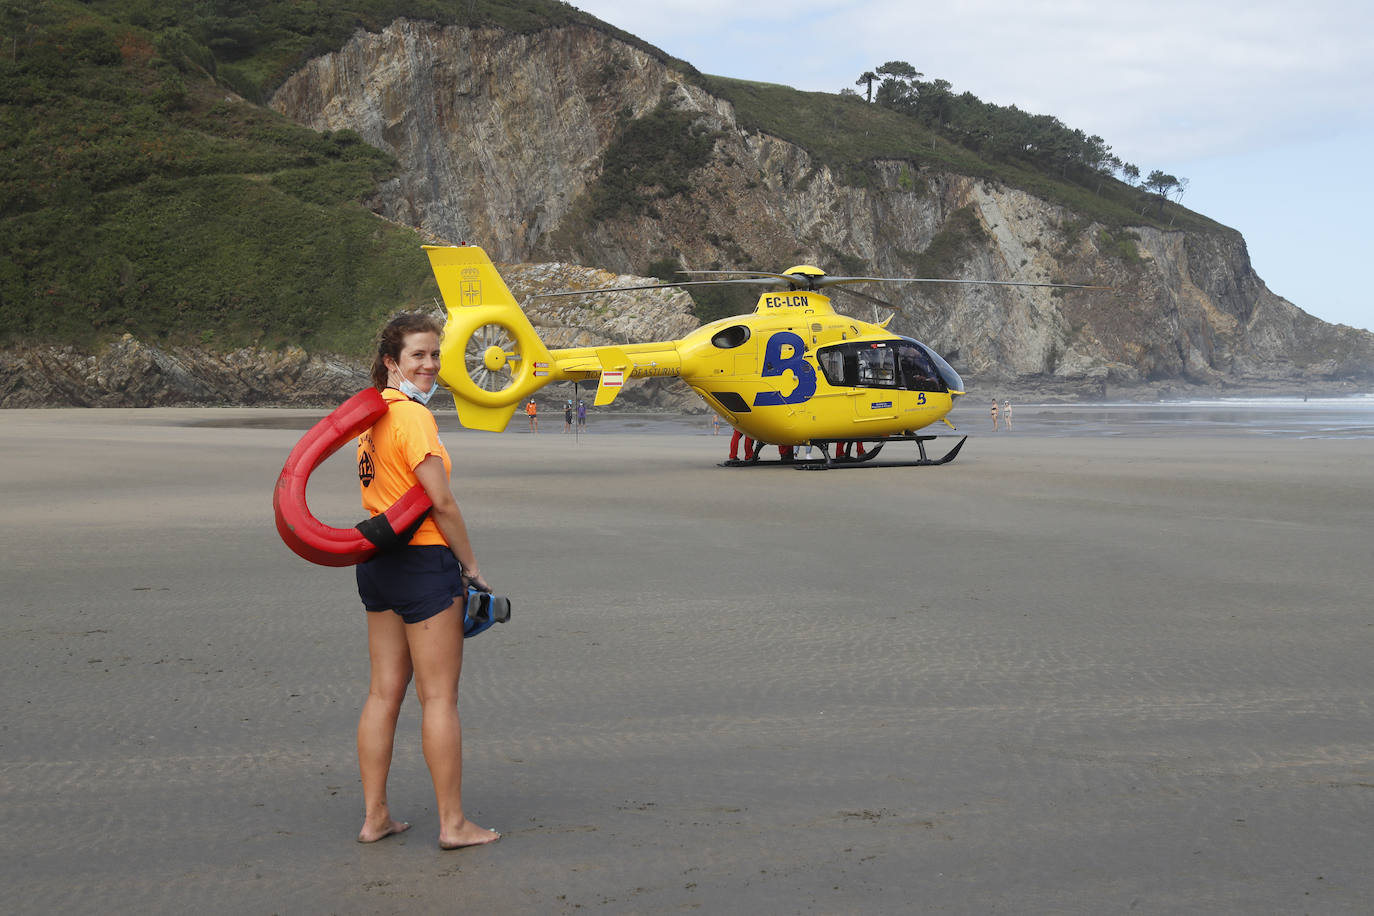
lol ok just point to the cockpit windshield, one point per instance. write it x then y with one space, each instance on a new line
951 378
901 363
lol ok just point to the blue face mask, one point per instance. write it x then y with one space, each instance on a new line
415 394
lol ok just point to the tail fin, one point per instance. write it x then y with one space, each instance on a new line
491 357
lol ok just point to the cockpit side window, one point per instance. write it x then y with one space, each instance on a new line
838 365
877 367
860 365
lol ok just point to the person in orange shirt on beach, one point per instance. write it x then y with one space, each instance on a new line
414 595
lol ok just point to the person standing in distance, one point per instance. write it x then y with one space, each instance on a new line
414 595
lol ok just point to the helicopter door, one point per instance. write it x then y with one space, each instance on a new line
875 397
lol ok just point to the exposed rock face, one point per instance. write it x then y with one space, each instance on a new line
129 373
499 134
610 318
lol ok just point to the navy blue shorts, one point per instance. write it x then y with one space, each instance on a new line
415 582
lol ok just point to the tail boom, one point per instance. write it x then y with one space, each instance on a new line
488 334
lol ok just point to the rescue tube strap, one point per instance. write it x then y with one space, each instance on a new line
378 530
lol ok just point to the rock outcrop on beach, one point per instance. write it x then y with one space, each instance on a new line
133 373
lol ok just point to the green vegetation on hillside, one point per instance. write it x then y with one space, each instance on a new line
961 233
136 195
652 158
1005 133
253 45
848 134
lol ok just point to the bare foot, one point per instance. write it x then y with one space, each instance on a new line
372 835
468 834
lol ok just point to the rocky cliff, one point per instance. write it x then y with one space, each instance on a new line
501 135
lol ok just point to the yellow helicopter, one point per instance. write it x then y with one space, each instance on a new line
794 373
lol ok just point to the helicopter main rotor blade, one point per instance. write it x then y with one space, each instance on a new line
874 299
752 281
823 280
828 280
840 281
756 274
809 282
799 282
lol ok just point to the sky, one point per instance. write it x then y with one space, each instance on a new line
1265 108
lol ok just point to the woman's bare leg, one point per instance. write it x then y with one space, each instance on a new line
389 652
436 649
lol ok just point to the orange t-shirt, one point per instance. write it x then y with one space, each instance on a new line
389 452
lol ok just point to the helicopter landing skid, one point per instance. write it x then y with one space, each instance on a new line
873 448
876 446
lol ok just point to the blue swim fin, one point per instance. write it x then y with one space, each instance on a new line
482 610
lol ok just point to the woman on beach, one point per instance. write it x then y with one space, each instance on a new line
413 594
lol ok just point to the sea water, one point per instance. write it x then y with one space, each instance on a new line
1349 417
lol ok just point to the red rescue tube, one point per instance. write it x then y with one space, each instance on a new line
308 536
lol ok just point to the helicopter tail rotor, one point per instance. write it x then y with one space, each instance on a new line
491 356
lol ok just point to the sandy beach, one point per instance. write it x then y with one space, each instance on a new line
1088 675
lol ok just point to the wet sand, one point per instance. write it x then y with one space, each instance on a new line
1054 676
